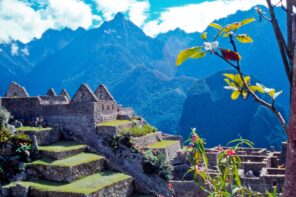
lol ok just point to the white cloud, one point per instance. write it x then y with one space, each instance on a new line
69 13
138 12
23 23
136 9
18 21
14 49
196 17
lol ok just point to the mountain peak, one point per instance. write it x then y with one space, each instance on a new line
119 16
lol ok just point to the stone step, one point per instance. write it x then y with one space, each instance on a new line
44 136
62 149
68 169
103 184
113 127
168 147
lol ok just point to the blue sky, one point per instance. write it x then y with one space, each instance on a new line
27 19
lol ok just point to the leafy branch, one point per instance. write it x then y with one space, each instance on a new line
238 83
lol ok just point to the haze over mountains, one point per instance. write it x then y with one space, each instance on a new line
139 70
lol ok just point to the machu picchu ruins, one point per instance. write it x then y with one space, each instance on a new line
76 152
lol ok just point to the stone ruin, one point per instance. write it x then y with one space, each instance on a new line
84 116
261 169
80 113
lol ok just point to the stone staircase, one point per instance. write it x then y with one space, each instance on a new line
67 169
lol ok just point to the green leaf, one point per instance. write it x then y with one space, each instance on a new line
244 38
247 79
230 76
204 35
235 94
247 21
215 25
257 88
194 52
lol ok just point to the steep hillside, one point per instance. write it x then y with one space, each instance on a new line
219 119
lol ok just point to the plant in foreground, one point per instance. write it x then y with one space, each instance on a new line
225 181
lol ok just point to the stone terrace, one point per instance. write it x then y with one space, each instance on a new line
67 169
261 169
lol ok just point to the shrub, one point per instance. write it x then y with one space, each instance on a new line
155 163
5 135
4 117
21 138
137 131
226 182
118 141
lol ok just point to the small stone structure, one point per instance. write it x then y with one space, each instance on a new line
15 90
80 114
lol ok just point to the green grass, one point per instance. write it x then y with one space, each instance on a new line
163 144
28 128
86 185
69 161
62 146
115 123
139 131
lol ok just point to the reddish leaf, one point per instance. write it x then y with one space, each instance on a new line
230 55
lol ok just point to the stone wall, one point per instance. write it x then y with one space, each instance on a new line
143 141
105 111
75 117
23 109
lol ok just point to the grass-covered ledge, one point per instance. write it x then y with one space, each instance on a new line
86 185
115 123
62 146
30 128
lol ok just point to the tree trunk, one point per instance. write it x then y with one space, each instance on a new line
290 178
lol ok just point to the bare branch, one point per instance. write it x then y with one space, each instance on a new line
285 53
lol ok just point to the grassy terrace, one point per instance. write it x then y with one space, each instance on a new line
86 185
163 144
115 123
69 161
28 128
62 146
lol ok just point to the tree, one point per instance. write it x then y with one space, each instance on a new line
240 84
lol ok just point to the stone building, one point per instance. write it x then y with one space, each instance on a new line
80 113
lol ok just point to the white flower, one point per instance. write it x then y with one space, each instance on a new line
211 46
270 91
230 88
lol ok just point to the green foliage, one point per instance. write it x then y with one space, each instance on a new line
5 135
239 84
21 138
137 131
4 117
194 52
226 182
117 141
273 193
19 146
155 163
24 151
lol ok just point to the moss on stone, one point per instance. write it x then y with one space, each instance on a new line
36 129
163 144
115 123
62 146
86 185
75 160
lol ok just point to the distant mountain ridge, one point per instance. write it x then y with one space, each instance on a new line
139 70
218 119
